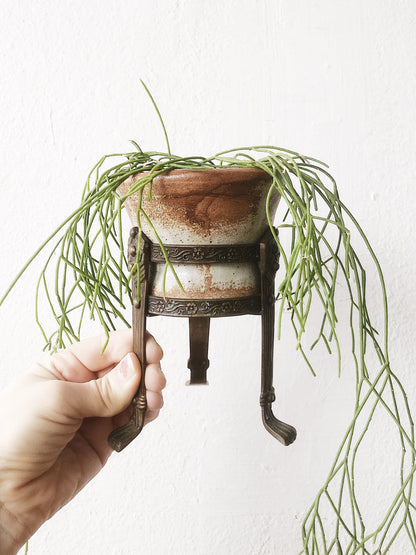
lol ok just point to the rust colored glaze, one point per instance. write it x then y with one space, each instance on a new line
211 203
209 290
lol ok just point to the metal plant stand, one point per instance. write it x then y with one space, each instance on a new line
199 312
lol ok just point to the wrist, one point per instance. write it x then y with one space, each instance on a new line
13 534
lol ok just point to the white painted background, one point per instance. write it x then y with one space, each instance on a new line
334 79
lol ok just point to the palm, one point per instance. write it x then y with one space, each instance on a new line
53 446
82 458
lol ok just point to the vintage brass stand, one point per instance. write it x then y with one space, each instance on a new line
199 312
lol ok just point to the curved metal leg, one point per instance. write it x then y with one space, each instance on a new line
269 256
121 437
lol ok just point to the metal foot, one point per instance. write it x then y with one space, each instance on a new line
285 433
121 437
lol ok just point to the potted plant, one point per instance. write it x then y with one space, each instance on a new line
92 279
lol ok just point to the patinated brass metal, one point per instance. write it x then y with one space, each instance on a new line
198 362
205 254
121 437
158 306
269 264
199 312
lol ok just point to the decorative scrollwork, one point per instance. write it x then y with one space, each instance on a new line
132 247
198 307
205 254
270 262
143 262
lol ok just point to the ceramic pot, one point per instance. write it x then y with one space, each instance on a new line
206 207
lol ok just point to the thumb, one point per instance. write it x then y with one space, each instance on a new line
109 395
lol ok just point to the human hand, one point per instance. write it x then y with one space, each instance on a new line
54 427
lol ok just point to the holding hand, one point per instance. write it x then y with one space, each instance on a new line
54 425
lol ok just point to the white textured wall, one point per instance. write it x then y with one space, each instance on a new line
334 79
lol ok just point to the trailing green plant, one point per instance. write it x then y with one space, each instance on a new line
90 280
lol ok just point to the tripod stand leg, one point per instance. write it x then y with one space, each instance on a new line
198 362
121 437
269 263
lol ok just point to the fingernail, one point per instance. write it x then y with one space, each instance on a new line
126 367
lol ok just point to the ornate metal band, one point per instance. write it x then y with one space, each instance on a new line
159 306
205 254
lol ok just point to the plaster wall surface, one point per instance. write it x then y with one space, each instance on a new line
331 79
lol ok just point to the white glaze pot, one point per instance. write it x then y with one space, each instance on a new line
206 207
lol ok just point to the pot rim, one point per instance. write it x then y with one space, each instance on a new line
209 171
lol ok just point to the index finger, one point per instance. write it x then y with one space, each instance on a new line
84 361
90 352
